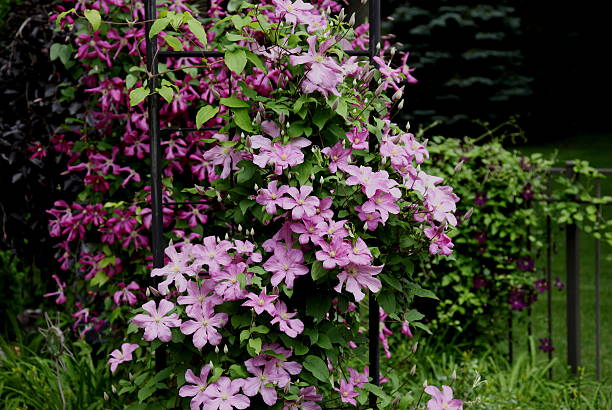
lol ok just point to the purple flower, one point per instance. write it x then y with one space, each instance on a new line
339 157
261 303
285 265
358 277
125 294
300 203
156 324
263 383
199 295
291 327
272 197
179 264
541 285
121 356
442 400
347 392
196 387
334 253
223 395
204 326
546 345
480 199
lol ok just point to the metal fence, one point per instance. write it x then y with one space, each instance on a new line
573 282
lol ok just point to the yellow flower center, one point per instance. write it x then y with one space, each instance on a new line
332 254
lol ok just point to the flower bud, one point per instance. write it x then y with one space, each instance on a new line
252 231
148 293
454 375
335 104
256 187
363 2
400 105
458 166
425 383
407 125
379 89
217 349
413 370
239 228
398 94
219 196
281 117
257 119
225 349
105 395
368 77
226 236
383 160
415 346
312 177
468 214
341 14
351 21
131 376
113 389
215 93
392 51
154 291
321 180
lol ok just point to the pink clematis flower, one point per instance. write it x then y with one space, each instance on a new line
294 13
333 230
358 277
125 295
291 327
383 203
307 399
61 298
358 138
179 264
228 284
371 219
358 379
272 196
199 295
196 387
339 157
442 400
324 73
261 303
307 229
263 383
223 395
212 253
334 253
121 356
285 265
440 242
204 326
156 324
347 392
360 254
300 203
371 181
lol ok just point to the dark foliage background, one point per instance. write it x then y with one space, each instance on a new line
29 115
491 60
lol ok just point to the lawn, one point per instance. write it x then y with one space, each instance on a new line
597 150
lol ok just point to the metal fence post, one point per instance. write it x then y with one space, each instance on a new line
573 288
374 19
597 292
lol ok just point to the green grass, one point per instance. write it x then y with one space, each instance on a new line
596 149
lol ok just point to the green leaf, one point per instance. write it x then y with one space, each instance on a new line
197 30
317 367
242 119
419 291
61 51
260 329
387 302
317 271
244 335
254 58
99 280
167 93
174 42
158 26
130 80
245 204
146 392
109 260
204 114
324 341
237 372
138 95
255 344
320 118
235 60
318 306
234 102
93 16
247 170
234 37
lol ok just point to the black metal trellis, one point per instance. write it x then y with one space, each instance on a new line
153 55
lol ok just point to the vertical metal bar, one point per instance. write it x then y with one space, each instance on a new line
510 347
154 135
549 241
597 293
573 289
374 19
529 317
